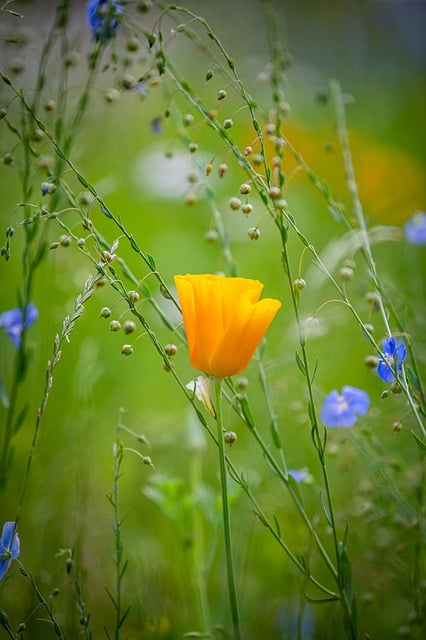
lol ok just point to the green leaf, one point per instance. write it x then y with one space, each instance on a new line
300 364
326 511
245 408
151 261
420 442
4 399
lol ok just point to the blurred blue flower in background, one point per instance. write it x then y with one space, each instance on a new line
102 16
342 410
9 547
394 355
15 321
415 228
298 474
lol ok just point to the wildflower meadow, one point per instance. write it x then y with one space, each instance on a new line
212 320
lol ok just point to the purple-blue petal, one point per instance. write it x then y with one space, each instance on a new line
385 372
336 413
389 345
400 353
15 321
415 228
357 399
9 547
297 474
9 540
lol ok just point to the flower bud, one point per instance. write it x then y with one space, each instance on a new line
253 233
300 284
228 123
7 158
211 236
275 193
396 387
257 159
81 242
170 349
247 208
192 177
132 44
17 65
221 94
346 273
129 326
245 188
193 147
105 312
371 361
223 168
21 628
241 384
133 295
396 426
209 169
230 437
209 75
235 204
72 58
114 325
9 232
85 198
191 198
3 113
112 95
128 81
187 119
127 349
64 241
248 150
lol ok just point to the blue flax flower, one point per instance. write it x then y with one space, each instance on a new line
9 547
415 228
15 321
102 16
298 474
394 355
342 409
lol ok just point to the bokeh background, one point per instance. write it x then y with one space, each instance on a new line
376 50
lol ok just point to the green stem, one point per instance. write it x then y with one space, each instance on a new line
225 512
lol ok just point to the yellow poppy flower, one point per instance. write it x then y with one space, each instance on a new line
224 321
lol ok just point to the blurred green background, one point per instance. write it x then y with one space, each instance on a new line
377 52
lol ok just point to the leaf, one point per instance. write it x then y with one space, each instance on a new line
321 600
420 442
245 408
21 417
277 526
4 399
300 364
151 261
326 511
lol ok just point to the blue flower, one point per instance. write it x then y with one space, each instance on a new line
394 355
156 125
298 474
415 228
102 16
9 547
15 321
342 410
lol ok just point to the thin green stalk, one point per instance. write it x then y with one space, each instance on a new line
225 512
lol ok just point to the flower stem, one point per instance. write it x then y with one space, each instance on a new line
225 512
